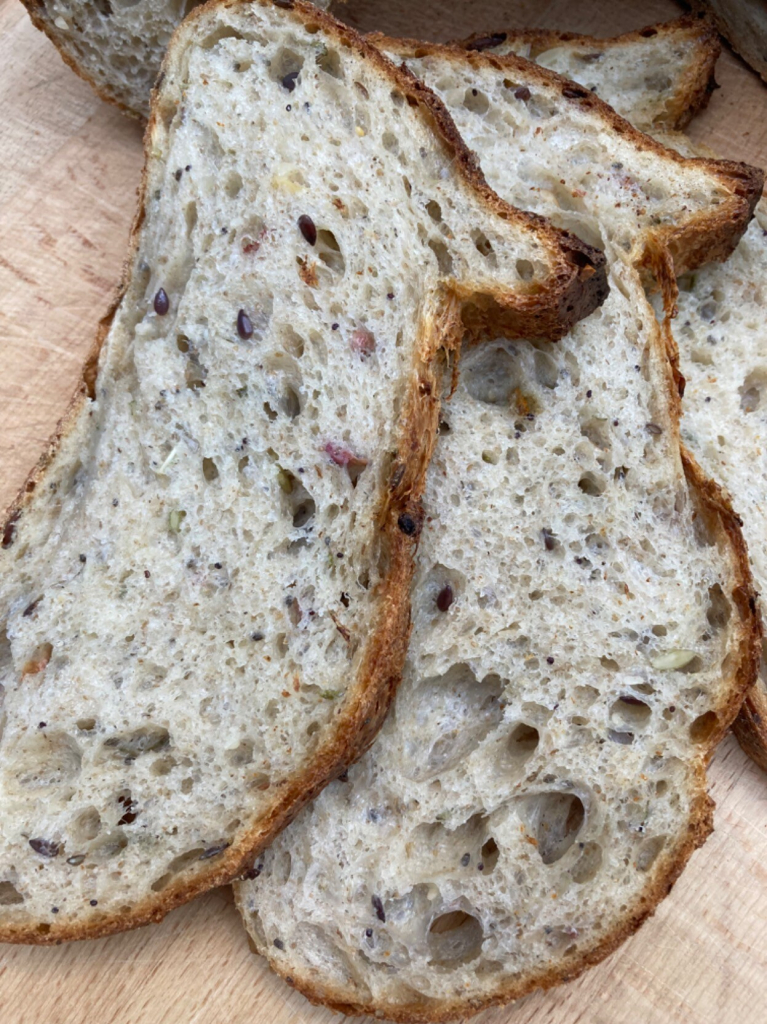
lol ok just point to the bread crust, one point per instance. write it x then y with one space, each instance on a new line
578 286
692 92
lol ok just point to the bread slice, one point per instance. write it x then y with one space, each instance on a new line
743 23
117 46
658 77
714 408
204 585
584 626
722 340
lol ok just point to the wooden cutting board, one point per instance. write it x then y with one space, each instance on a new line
69 167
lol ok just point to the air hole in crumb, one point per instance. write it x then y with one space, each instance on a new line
444 259
9 895
631 711
648 852
285 62
454 938
489 855
177 865
719 611
86 826
523 741
592 485
704 727
525 270
588 864
329 61
241 754
476 101
291 403
209 470
233 185
554 819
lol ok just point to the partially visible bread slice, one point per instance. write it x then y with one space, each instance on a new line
743 23
657 77
584 627
712 405
722 338
117 46
204 586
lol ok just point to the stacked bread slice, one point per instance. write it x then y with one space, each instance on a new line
205 583
583 626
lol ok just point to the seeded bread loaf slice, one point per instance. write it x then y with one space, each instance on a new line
657 77
584 626
204 586
717 330
117 46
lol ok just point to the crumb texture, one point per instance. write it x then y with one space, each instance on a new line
189 602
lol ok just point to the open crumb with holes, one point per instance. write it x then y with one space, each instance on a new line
584 629
204 587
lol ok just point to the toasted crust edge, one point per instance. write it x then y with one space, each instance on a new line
578 286
692 92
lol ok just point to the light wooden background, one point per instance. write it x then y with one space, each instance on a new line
69 166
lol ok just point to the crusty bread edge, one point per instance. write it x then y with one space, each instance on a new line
701 238
577 287
691 93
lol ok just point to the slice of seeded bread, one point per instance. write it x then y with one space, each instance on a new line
117 46
743 23
657 77
584 627
716 363
204 586
722 338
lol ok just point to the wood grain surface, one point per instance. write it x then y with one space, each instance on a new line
69 167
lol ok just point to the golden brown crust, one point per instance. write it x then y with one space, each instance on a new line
709 235
579 285
692 91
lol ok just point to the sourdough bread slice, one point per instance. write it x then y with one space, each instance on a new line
117 46
204 585
716 418
716 363
658 77
584 628
722 339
